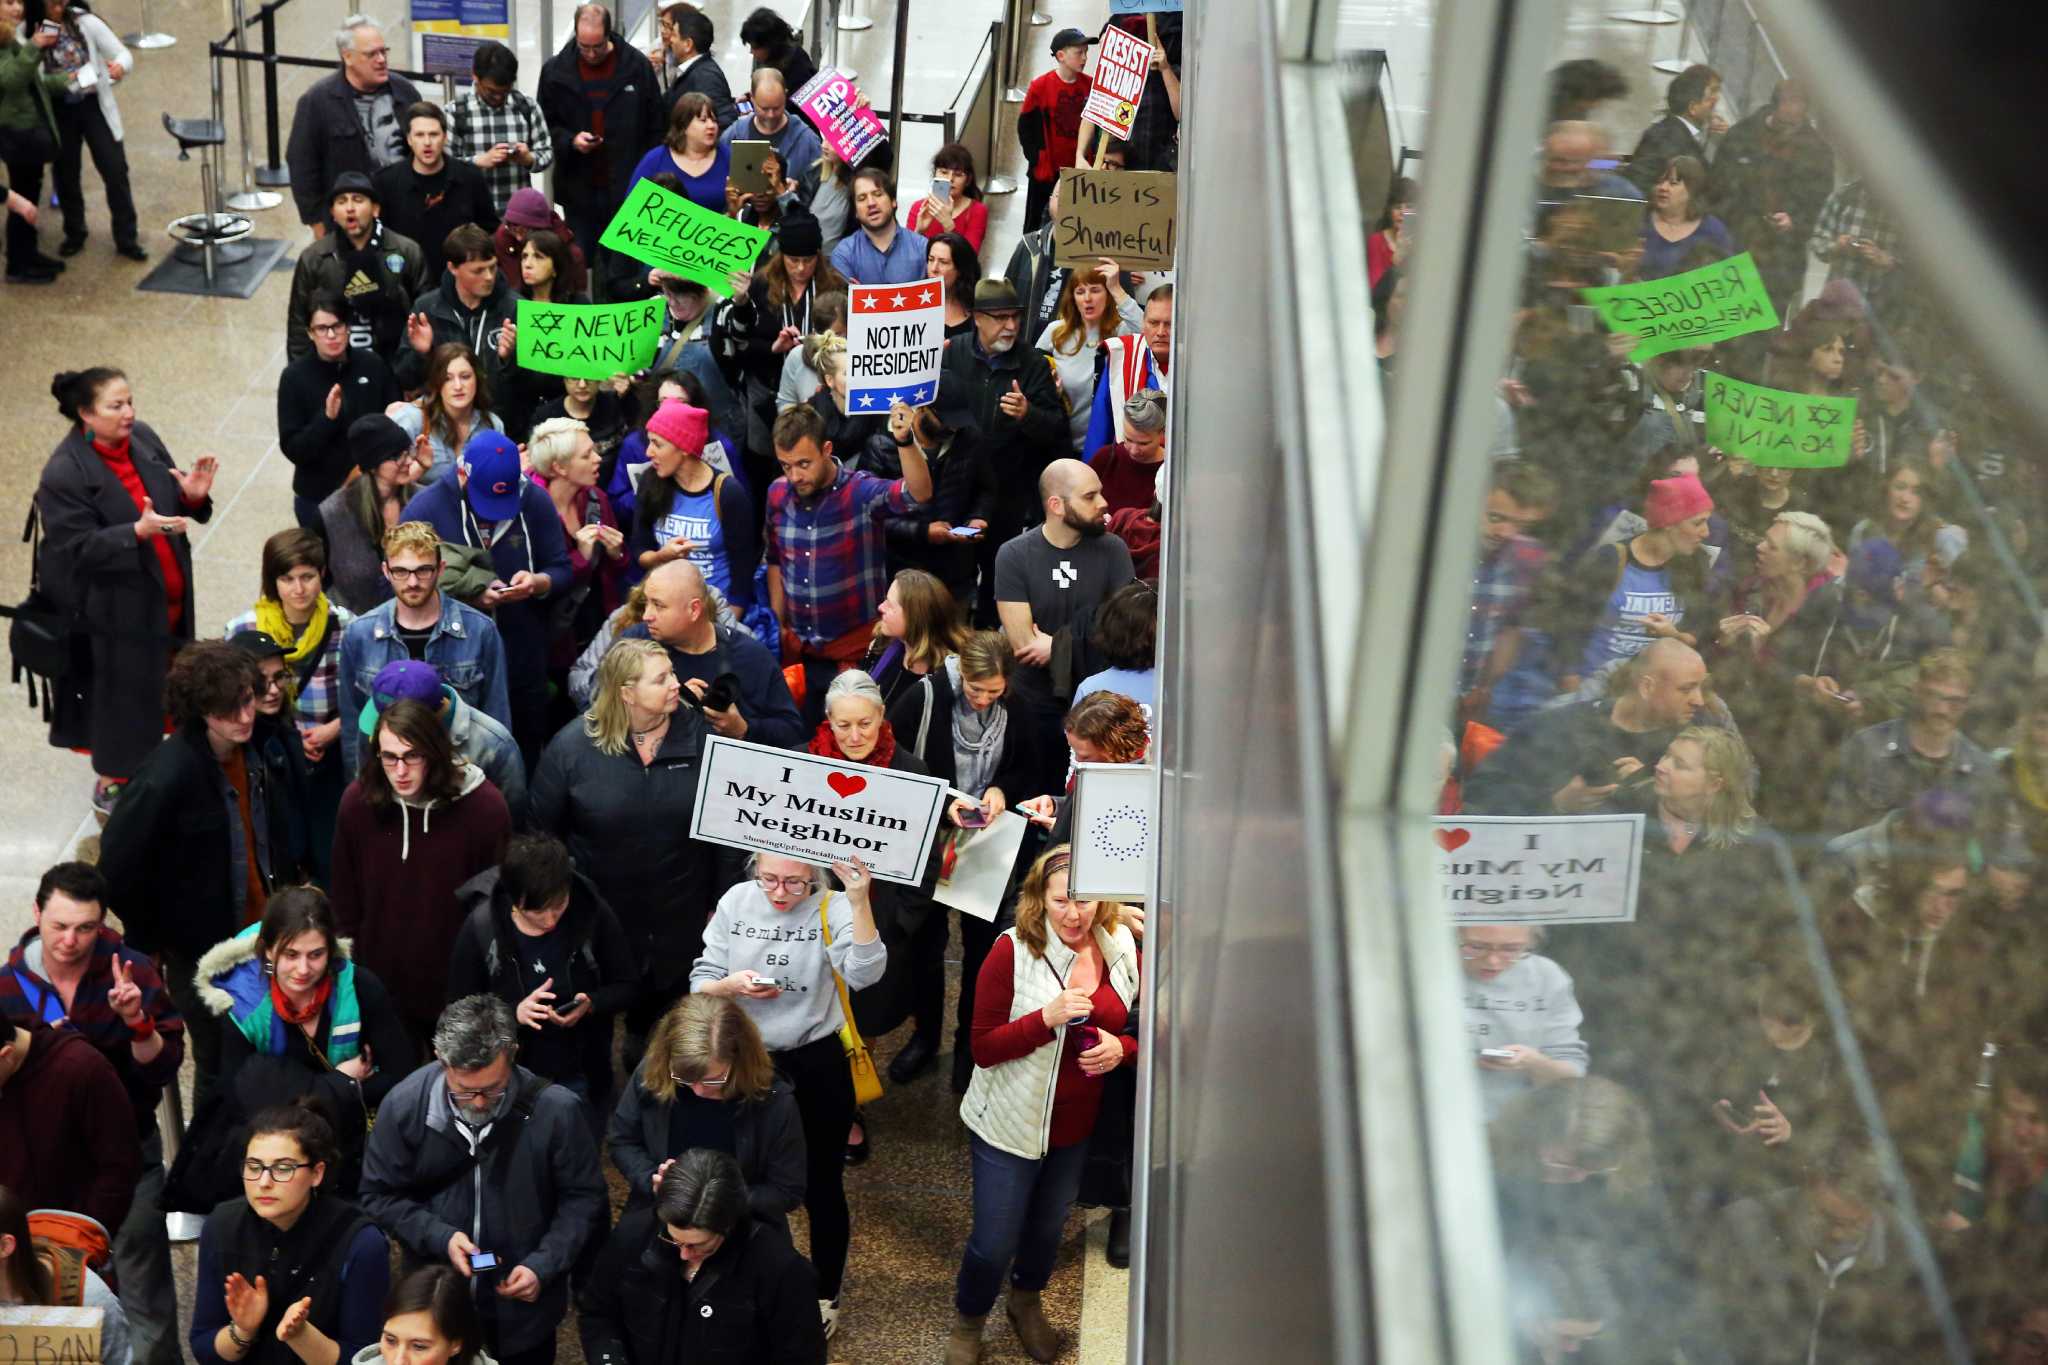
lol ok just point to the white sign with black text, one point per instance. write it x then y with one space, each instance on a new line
1562 869
803 806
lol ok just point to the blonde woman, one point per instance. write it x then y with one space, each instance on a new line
568 461
1050 1009
616 785
1702 787
707 1081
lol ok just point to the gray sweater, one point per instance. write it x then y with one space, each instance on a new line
747 933
1530 1003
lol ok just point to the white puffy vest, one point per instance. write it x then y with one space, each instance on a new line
1010 1106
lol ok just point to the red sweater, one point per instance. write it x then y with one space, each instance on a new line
970 222
997 1038
1062 102
121 464
65 1140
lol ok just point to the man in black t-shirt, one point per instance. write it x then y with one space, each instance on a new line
1049 574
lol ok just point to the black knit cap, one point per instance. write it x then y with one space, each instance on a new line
375 438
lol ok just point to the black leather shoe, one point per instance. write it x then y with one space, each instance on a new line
30 277
46 263
1119 1248
71 246
132 251
916 1058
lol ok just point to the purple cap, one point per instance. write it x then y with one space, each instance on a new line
405 680
494 477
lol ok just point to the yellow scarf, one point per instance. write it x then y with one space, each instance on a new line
270 620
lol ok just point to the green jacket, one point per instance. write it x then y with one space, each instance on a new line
25 89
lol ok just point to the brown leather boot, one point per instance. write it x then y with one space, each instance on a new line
1041 1339
964 1346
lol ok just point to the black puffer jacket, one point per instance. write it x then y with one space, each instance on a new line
768 1142
635 118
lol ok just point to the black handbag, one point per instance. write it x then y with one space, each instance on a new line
39 636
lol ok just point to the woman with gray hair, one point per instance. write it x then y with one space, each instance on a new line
774 944
755 1304
1129 469
567 459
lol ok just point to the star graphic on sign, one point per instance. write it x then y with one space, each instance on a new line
867 400
863 303
917 396
898 301
926 297
546 323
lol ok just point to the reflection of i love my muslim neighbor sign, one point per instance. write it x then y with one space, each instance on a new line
33 1335
1715 302
669 232
1776 428
589 340
803 806
1569 869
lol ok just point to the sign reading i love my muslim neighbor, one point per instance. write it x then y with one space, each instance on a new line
670 233
1700 307
589 340
1776 428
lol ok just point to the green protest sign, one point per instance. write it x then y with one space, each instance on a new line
1776 428
1715 302
589 340
670 233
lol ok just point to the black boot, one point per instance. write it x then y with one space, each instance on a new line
1118 1251
916 1058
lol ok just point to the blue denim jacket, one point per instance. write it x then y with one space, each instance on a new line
464 647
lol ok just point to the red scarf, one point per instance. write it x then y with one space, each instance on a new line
824 745
120 462
281 1002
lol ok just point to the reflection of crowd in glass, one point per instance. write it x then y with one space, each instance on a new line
400 859
1820 688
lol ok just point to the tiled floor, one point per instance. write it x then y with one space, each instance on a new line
204 372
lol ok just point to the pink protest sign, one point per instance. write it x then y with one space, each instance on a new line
828 100
1121 65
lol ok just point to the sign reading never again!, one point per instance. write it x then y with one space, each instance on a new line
589 340
670 233
814 809
1551 869
1124 215
1713 303
35 1335
1776 428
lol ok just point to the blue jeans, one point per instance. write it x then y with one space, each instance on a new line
1020 1207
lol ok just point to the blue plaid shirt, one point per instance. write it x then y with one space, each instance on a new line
1500 589
830 550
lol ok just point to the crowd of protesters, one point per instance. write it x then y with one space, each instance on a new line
399 855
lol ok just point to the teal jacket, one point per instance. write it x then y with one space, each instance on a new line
25 89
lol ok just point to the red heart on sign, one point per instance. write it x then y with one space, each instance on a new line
846 784
1450 839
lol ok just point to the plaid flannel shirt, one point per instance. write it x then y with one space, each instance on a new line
1851 211
474 128
831 552
26 996
1500 589
320 698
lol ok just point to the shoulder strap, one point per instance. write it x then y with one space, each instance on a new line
924 725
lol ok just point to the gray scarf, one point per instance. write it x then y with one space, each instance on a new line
977 736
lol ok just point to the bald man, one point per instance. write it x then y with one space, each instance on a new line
1593 755
681 620
1569 149
770 122
1049 574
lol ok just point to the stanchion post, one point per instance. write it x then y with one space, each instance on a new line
849 19
248 199
147 38
998 39
896 78
272 173
1014 29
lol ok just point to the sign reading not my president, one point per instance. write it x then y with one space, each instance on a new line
803 806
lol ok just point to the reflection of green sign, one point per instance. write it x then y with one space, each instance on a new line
1698 308
589 340
1776 428
670 233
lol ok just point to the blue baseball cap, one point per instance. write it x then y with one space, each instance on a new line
494 475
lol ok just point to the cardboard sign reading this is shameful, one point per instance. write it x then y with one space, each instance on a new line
1127 216
33 1335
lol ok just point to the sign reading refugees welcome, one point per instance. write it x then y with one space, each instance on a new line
1777 428
815 809
589 340
1551 869
1700 307
670 233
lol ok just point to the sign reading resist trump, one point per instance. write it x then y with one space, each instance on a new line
895 334
802 806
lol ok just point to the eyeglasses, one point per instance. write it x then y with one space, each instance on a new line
272 682
423 574
491 1096
1472 952
327 329
283 1172
704 1081
373 52
680 1246
409 759
793 885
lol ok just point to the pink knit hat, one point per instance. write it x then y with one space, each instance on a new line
682 426
1679 498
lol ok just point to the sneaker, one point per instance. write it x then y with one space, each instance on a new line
828 1312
